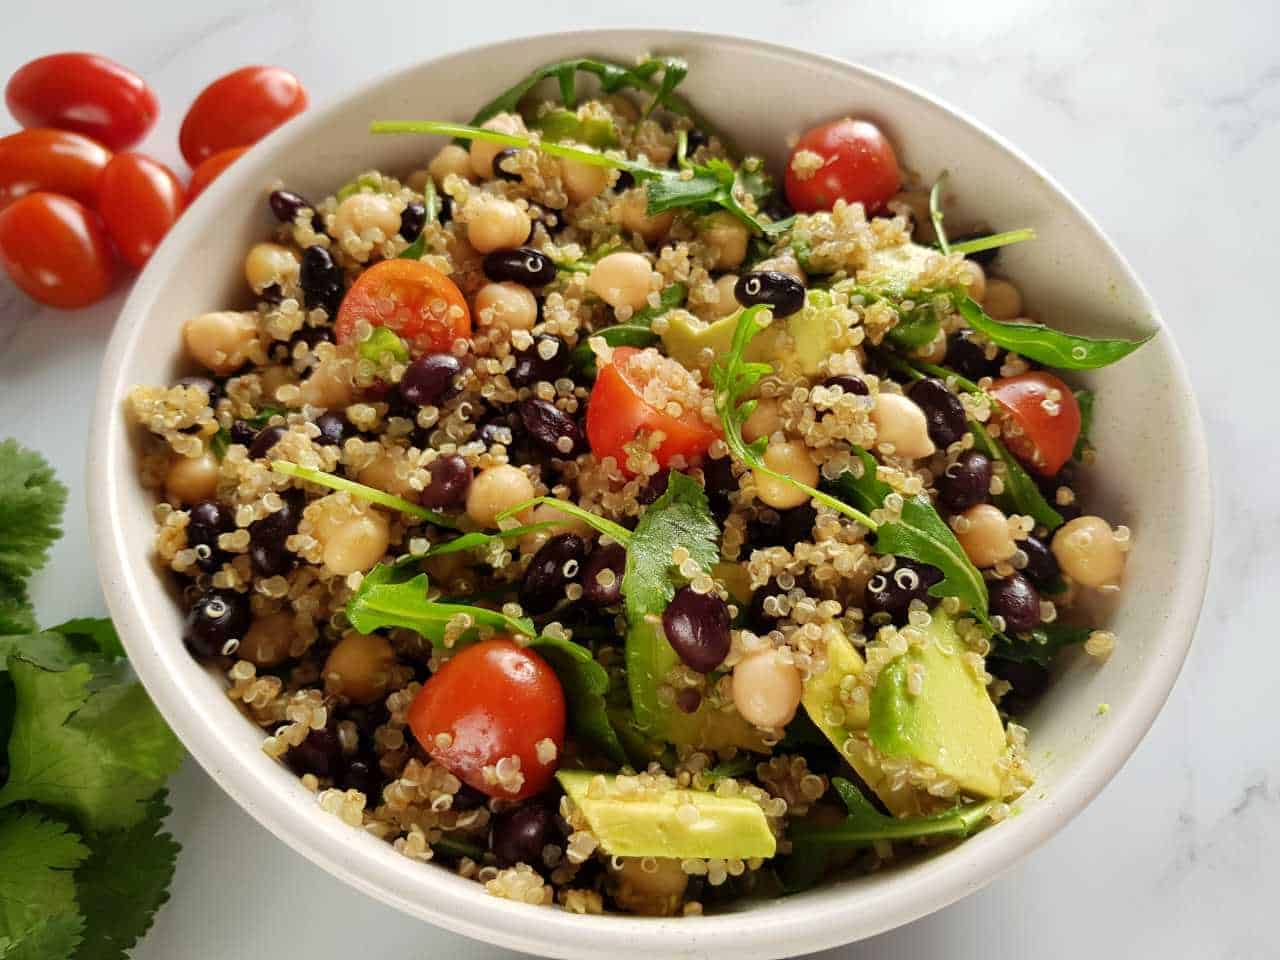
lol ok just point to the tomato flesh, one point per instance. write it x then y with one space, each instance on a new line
139 199
1041 419
858 166
618 412
210 170
86 94
494 700
411 299
56 250
238 110
54 160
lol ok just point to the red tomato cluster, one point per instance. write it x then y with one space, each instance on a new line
72 207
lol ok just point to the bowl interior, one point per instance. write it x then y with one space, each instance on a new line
1151 475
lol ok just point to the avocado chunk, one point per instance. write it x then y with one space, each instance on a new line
562 124
902 264
951 724
656 823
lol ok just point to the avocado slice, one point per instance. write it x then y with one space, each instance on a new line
651 824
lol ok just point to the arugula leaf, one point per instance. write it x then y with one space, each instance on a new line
361 492
87 743
1086 401
865 825
635 332
387 598
1041 645
39 916
585 683
993 242
1053 348
1021 495
31 504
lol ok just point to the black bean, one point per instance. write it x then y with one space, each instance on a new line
1042 565
429 379
450 480
968 358
216 617
891 593
688 700
553 221
267 536
782 528
966 482
1015 599
982 257
265 440
848 383
776 207
654 487
321 280
531 366
242 432
311 336
719 482
363 773
760 619
206 522
320 754
210 388
468 798
1066 477
523 265
519 835
612 558
412 219
367 717
697 627
334 429
272 293
446 209
549 426
626 180
285 204
943 411
780 291
1029 681
501 172
498 429
557 564
694 139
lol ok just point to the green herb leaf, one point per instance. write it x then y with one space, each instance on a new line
31 504
936 215
97 634
866 825
993 242
1021 495
16 615
1053 348
123 883
39 916
1086 401
585 683
361 492
1041 645
595 521
915 328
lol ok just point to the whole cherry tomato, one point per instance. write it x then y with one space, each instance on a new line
1041 419
491 702
139 199
238 110
209 171
858 166
84 93
56 250
55 160
417 302
618 412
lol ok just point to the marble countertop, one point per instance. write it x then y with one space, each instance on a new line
1162 119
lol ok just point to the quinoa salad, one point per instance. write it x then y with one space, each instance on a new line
625 526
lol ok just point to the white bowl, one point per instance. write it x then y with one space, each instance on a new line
1153 475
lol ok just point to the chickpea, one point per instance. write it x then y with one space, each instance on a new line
653 893
268 639
726 238
417 180
622 280
506 306
765 420
1002 300
1089 553
974 280
790 459
561 523
483 152
451 159
786 263
935 351
329 385
766 690
497 225
362 212
582 181
383 475
359 667
633 215
221 341
728 303
900 421
269 264
495 490
353 541
986 539
191 479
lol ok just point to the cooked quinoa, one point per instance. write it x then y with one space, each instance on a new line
434 350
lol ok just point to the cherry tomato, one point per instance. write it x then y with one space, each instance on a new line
56 250
238 110
491 701
53 160
209 171
1042 419
410 299
84 93
858 166
139 199
618 411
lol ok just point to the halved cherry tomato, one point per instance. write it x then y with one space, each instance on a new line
618 411
859 166
492 701
56 250
84 93
1042 419
417 302
209 171
238 110
139 199
55 160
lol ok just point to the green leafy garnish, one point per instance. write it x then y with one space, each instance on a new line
915 328
97 634
936 215
1086 401
585 683
361 492
1053 348
596 522
865 825
31 503
476 539
221 440
635 332
1039 646
993 242
39 916
393 596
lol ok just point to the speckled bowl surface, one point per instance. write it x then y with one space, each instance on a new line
1154 477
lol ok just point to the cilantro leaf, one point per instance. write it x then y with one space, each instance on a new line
31 504
39 916
123 882
865 825
16 615
585 683
387 598
94 633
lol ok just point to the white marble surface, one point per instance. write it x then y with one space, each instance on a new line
1161 118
